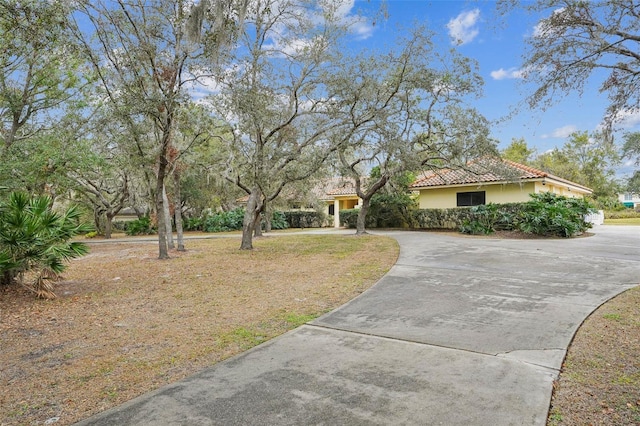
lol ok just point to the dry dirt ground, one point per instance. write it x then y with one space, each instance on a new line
125 323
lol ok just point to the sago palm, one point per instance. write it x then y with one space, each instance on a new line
34 239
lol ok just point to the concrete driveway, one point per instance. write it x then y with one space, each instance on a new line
461 331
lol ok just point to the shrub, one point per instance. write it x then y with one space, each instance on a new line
304 219
142 226
552 215
279 221
392 210
482 220
349 218
119 225
224 221
192 224
486 219
442 218
34 239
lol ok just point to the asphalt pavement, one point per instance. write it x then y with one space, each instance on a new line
461 331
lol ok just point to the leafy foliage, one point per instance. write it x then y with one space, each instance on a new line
142 226
585 159
392 210
224 221
486 219
553 215
279 221
304 219
349 218
230 221
518 151
35 239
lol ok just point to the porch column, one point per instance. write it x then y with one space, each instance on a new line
336 213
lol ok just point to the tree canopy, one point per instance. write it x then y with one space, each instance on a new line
582 39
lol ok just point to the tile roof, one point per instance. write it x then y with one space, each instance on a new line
342 188
485 170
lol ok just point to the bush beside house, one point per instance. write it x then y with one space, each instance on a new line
546 214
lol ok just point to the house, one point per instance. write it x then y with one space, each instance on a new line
338 194
630 200
489 180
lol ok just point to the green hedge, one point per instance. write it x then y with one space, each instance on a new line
456 217
546 214
305 219
349 218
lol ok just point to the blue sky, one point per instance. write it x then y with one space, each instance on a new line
498 43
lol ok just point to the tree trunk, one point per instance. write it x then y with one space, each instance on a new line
251 215
267 218
257 228
108 226
362 217
167 215
178 211
97 215
163 251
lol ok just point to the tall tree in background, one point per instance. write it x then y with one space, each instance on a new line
578 39
42 83
518 151
406 112
587 159
276 99
38 68
145 54
631 151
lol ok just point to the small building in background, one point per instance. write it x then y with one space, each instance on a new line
630 200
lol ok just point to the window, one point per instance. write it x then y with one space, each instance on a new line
332 210
628 196
470 198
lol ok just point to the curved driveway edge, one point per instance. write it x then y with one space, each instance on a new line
461 331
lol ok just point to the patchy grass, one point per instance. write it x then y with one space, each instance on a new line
600 379
632 221
126 323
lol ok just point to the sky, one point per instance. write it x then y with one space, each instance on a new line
498 43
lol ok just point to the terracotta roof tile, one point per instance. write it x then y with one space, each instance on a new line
484 170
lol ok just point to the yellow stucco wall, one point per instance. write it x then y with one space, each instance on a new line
341 203
445 198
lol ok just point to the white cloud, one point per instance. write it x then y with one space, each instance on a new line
561 132
544 29
627 119
463 28
510 73
342 11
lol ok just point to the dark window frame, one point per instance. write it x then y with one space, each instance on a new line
472 198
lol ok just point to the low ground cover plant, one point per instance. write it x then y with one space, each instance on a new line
35 242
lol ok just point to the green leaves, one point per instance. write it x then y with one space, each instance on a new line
547 214
35 239
552 215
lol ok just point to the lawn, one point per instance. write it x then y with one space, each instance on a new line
635 221
126 323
